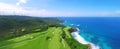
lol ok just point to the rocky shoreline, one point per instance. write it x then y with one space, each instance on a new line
80 39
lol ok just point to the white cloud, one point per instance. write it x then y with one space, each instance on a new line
21 2
118 12
8 9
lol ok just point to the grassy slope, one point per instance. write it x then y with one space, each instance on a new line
72 42
67 32
39 40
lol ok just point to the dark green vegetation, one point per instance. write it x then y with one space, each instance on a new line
23 32
14 26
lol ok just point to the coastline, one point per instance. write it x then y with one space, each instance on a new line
80 39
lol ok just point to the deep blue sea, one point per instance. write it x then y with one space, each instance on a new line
102 31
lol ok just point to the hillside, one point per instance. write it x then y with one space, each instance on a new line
14 25
39 33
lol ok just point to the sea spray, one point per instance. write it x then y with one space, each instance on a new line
82 40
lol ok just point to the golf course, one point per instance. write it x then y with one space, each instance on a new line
50 39
36 33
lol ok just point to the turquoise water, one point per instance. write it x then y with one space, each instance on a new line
102 31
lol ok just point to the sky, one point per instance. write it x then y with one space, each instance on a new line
60 7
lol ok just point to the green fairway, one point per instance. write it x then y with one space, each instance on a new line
24 32
50 39
67 32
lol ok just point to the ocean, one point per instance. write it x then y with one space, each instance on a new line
102 31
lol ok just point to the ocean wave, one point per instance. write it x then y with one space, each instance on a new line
80 39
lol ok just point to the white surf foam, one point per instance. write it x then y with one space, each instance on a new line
82 40
78 25
71 24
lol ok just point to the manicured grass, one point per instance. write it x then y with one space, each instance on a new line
67 32
49 39
37 41
55 40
